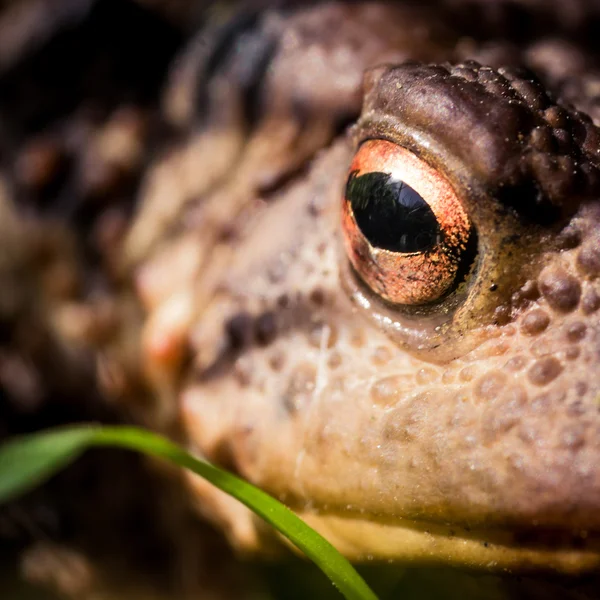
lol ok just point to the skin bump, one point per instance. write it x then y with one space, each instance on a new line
544 370
535 322
575 332
490 385
560 289
590 302
588 259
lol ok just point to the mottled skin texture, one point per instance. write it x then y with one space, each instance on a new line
466 431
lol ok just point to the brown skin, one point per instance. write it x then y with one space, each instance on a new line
464 431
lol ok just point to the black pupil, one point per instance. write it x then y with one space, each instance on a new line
390 214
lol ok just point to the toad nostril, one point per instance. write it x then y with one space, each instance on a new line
244 330
240 330
266 328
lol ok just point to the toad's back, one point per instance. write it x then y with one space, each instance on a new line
414 374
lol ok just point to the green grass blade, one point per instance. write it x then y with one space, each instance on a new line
28 461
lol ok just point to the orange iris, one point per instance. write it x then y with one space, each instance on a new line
405 230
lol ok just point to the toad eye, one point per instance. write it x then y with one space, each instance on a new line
405 231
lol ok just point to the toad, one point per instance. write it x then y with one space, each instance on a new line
369 267
371 280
